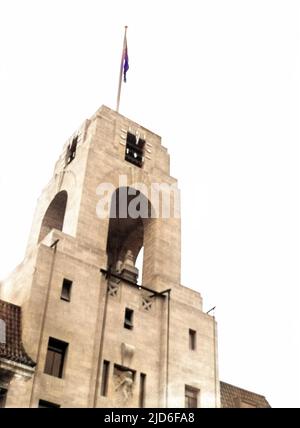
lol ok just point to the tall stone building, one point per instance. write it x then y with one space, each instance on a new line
79 325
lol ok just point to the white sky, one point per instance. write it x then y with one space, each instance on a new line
219 81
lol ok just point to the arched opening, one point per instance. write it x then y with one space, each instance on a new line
130 212
55 214
139 263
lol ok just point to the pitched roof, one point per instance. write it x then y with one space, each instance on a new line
13 348
234 397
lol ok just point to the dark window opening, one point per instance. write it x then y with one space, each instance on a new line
66 290
3 393
55 358
191 397
142 390
71 150
128 320
43 404
134 152
104 380
192 339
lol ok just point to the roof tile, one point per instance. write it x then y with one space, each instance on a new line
235 397
13 348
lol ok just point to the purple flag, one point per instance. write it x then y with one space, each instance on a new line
126 62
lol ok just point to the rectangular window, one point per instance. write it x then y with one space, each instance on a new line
43 404
142 390
66 290
71 150
192 339
55 358
104 380
2 331
134 152
3 393
191 397
128 320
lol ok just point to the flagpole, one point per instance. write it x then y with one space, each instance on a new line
121 70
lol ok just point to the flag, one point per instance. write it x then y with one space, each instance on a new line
126 62
124 67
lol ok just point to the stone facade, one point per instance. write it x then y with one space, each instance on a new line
124 345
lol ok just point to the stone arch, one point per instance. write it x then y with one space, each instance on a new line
127 227
54 215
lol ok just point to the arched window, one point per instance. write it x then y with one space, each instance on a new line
2 331
128 217
55 214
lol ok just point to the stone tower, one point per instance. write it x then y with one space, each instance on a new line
101 335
